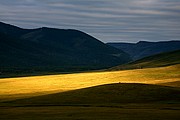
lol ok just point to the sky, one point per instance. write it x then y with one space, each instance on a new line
107 20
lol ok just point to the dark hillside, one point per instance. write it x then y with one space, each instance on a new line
54 50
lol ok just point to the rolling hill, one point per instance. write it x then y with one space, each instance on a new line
158 60
143 48
50 50
107 94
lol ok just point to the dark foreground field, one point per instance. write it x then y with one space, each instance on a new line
105 102
124 112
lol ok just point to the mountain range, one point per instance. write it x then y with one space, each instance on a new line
68 50
143 49
51 50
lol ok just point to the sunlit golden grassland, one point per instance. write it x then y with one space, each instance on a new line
12 88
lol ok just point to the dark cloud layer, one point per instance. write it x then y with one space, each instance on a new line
107 20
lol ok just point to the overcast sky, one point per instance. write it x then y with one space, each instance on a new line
107 20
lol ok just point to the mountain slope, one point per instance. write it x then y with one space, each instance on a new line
158 60
49 49
143 49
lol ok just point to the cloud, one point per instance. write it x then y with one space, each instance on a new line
107 20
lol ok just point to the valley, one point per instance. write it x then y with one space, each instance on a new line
128 94
48 73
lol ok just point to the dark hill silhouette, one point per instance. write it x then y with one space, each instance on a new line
50 50
12 30
143 48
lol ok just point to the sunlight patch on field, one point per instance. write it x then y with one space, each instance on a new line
38 85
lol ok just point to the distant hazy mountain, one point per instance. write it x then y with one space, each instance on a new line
144 49
49 49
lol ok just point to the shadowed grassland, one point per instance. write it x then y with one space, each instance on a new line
88 113
13 88
118 101
106 94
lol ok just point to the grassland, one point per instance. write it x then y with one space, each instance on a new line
146 94
40 85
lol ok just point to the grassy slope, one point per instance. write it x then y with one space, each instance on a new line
174 84
40 85
159 60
